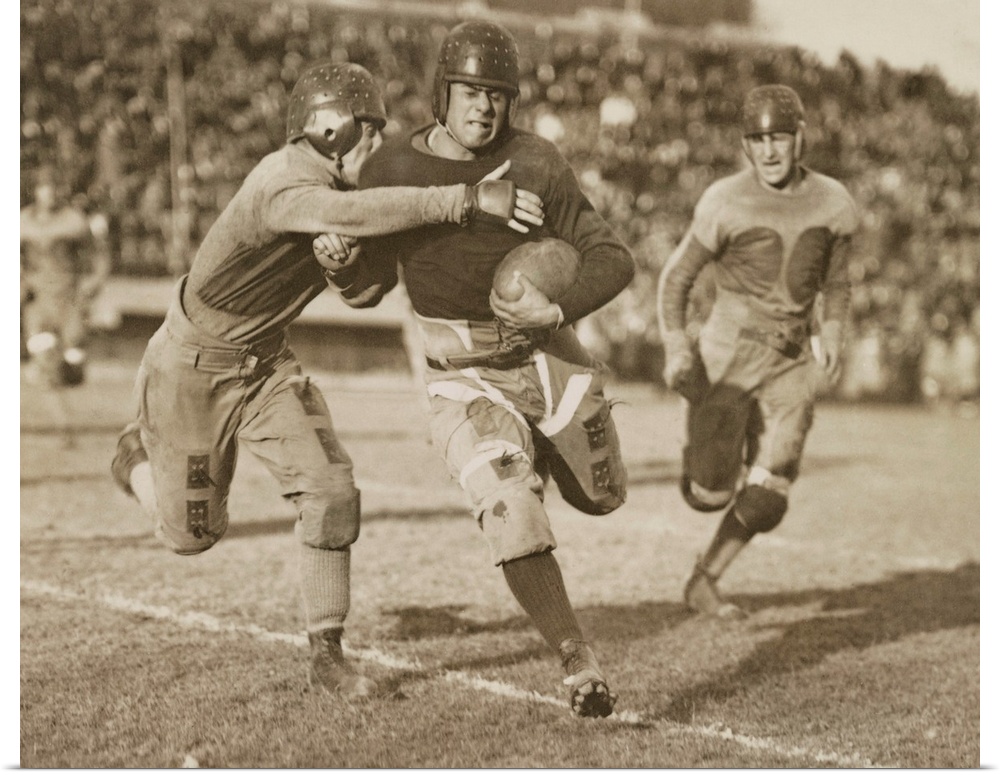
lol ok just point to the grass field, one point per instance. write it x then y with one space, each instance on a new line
862 648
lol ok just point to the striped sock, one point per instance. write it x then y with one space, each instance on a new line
537 583
326 586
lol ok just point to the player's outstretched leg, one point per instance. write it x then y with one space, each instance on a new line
589 695
537 584
702 596
329 671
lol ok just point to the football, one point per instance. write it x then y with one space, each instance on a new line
550 264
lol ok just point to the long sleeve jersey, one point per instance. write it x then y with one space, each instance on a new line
448 271
255 271
774 251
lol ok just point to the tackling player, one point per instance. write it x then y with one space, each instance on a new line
777 235
505 410
219 370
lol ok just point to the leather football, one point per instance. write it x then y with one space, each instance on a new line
550 264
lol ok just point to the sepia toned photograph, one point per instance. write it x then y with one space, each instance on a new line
489 384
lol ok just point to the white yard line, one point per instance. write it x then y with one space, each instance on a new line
201 621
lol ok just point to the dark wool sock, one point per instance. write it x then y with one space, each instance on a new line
729 540
537 584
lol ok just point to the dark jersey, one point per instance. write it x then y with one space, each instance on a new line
774 251
448 270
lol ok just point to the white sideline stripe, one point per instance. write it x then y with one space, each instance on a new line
201 621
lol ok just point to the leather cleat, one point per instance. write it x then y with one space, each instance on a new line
589 693
702 596
129 454
329 671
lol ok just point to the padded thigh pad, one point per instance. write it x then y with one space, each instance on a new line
717 433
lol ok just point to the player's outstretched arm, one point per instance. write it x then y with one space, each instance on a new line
306 207
518 210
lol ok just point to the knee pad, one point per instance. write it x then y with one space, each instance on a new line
41 343
760 508
702 499
329 519
194 541
46 357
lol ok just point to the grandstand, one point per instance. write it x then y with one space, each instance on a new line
159 110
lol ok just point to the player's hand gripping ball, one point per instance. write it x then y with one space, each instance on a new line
550 264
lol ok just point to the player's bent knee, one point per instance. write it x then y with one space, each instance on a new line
702 499
189 542
759 508
587 498
515 525
329 519
586 464
598 507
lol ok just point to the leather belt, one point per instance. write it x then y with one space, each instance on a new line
220 360
499 359
773 339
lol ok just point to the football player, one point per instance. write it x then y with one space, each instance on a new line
505 409
777 236
65 260
219 370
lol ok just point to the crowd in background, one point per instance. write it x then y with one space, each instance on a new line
647 123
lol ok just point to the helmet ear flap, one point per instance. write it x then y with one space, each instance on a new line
512 106
800 141
327 102
439 104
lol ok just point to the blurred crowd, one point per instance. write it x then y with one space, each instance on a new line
646 123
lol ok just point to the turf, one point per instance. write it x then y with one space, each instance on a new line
862 647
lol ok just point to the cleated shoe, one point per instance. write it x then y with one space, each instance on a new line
129 454
329 671
589 696
702 596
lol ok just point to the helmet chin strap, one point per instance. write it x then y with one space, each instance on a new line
447 131
473 151
485 149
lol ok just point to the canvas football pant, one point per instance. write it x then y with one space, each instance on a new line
500 430
198 396
751 405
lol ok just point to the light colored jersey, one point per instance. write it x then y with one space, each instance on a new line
255 271
773 251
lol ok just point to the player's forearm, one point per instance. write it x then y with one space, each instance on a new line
607 265
369 213
606 271
676 280
836 288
